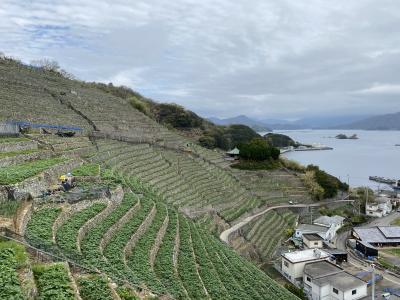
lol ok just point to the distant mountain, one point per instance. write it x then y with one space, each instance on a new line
242 119
381 122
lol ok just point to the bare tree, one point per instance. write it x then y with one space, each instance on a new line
46 64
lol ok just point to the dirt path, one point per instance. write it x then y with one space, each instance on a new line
224 236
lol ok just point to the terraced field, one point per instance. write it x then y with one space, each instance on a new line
149 244
145 201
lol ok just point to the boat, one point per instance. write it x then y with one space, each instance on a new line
382 179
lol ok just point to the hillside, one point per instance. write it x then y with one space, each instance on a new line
381 122
244 120
148 201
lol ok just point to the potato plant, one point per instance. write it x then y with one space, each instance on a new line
94 288
187 263
139 261
17 173
87 170
10 287
114 250
163 265
53 282
67 234
39 229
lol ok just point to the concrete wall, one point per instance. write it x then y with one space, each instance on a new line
312 244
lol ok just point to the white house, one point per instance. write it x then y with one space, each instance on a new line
313 241
309 229
381 206
293 262
331 223
323 280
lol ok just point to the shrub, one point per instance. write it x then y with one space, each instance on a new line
258 150
330 184
140 105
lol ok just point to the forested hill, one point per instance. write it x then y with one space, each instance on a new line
381 122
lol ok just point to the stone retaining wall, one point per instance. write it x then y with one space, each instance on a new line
28 145
116 197
115 227
35 185
18 159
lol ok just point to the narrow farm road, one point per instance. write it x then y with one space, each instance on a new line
224 236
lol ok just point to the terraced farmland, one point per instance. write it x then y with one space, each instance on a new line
128 245
139 218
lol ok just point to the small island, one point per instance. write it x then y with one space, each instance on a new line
345 137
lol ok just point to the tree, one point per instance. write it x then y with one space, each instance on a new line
258 149
46 64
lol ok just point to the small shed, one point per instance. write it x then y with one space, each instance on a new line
234 152
9 129
366 249
312 241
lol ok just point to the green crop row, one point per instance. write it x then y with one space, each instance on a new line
187 263
114 250
17 173
94 288
13 139
91 242
66 236
40 227
15 153
164 266
10 287
139 261
208 274
87 170
53 282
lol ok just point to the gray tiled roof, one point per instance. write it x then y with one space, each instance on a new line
381 234
342 281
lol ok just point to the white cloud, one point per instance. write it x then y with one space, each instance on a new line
380 89
287 58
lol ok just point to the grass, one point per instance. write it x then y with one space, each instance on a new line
15 153
395 252
13 139
17 173
87 170
9 208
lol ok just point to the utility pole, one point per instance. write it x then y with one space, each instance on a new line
373 281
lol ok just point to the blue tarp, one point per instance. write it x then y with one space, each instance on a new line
49 126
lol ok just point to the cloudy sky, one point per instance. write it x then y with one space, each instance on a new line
263 58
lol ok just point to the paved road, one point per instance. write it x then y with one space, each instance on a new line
224 236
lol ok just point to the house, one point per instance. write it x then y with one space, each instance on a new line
312 241
293 263
309 229
381 206
323 280
366 249
378 236
333 224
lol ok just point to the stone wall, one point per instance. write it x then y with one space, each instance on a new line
35 185
14 160
28 145
116 197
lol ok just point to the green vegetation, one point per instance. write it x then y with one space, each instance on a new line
17 173
94 288
279 140
13 139
296 291
395 252
126 294
321 184
67 234
53 282
87 170
10 287
39 230
15 153
9 208
257 165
